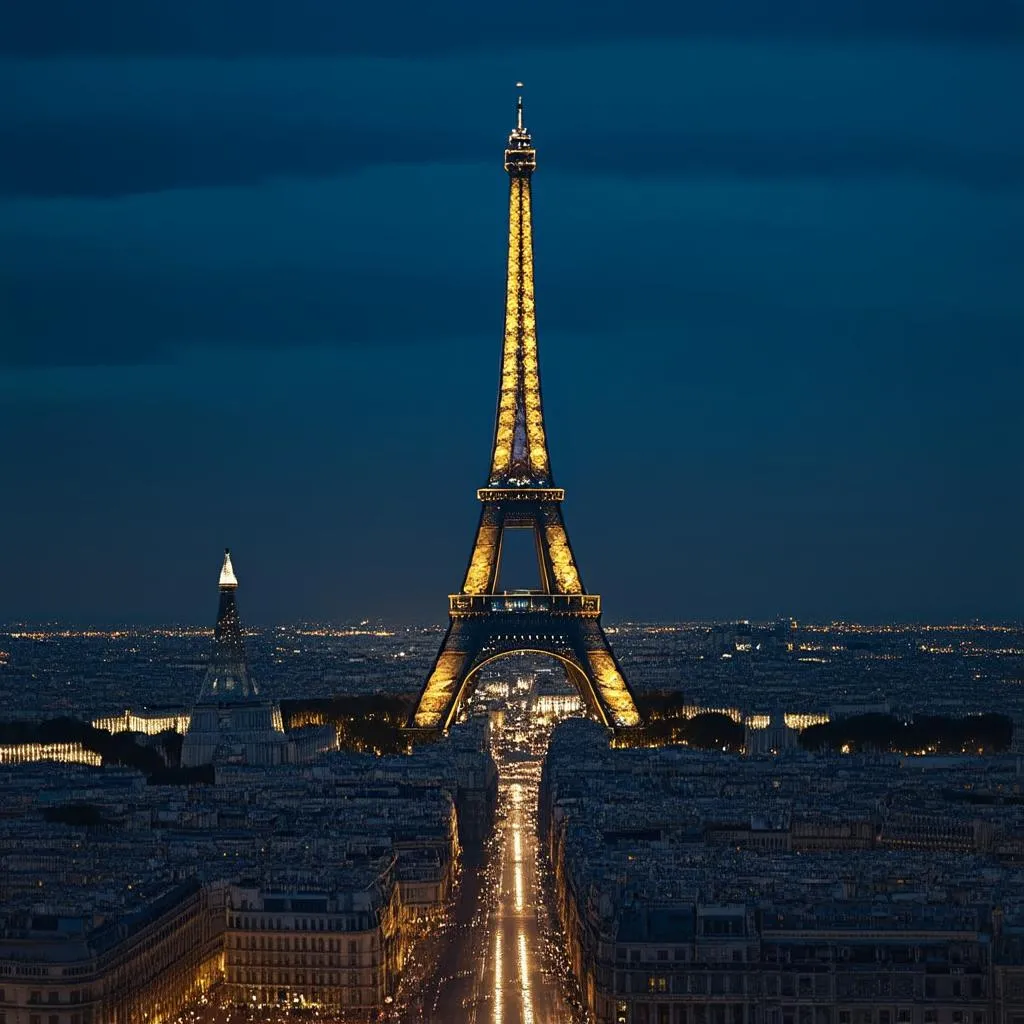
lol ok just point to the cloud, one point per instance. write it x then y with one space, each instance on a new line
407 255
311 27
678 109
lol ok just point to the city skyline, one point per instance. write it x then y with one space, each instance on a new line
267 323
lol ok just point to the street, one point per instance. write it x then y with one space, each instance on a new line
500 961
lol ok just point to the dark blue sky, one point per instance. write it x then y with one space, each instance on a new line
251 262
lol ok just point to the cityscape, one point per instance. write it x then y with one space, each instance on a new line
533 813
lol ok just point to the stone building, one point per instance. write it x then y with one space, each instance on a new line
146 966
339 948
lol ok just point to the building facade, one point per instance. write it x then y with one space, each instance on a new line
140 970
341 949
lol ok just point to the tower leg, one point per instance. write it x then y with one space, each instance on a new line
442 695
618 709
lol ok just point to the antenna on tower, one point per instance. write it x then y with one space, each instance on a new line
519 108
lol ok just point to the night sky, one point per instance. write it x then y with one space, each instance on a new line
251 287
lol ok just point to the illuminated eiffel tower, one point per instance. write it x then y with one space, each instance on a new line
560 618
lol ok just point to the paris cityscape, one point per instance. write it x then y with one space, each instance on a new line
524 807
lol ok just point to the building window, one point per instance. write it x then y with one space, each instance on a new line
931 1017
844 1017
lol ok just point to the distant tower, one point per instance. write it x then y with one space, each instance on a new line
230 722
227 677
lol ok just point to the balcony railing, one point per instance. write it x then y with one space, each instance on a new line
503 494
525 604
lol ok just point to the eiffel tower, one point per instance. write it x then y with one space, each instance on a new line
560 619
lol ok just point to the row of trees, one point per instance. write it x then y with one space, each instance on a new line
931 734
367 723
662 712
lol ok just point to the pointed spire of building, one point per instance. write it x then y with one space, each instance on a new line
227 573
227 677
519 109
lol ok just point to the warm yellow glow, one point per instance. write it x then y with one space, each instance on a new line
804 719
480 573
535 436
65 753
793 719
505 427
501 494
520 371
517 842
567 578
524 979
149 725
520 477
612 687
498 975
440 689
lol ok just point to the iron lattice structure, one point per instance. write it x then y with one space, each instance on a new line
227 676
560 619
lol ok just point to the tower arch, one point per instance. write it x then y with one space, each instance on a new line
574 672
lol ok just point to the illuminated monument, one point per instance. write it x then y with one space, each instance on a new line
230 722
560 618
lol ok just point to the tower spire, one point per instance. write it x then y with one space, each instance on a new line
519 109
227 573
